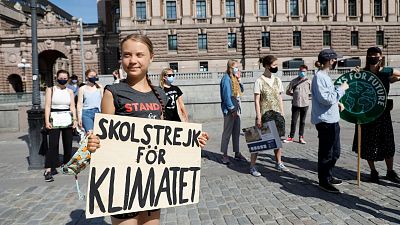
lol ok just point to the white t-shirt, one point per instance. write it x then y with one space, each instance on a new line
259 82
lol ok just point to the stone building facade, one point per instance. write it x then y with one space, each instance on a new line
58 45
199 35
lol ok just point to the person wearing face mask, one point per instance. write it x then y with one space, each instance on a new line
175 108
377 138
74 86
230 92
268 91
325 116
300 89
89 100
59 102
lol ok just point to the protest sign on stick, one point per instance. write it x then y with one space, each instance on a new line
143 164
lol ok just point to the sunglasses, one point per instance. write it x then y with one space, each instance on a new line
171 75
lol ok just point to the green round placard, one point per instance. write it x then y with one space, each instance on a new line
365 100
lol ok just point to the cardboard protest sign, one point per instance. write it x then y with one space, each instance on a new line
143 164
365 100
266 138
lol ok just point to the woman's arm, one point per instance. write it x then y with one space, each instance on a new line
79 106
281 105
258 110
47 106
72 107
182 109
395 76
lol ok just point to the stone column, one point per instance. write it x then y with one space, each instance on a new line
249 11
216 12
156 19
366 11
186 16
391 11
280 7
125 13
311 11
340 11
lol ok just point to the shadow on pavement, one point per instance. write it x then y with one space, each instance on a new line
236 165
78 217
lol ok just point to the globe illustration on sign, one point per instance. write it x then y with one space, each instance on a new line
360 97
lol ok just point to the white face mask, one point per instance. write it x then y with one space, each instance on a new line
235 70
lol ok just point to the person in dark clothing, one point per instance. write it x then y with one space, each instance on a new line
377 138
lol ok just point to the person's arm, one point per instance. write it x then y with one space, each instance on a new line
72 108
227 92
281 105
258 109
289 89
395 76
47 106
182 109
326 93
79 106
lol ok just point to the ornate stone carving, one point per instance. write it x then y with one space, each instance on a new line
49 44
12 58
88 55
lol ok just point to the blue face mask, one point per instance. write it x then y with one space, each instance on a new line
235 70
302 74
170 79
62 82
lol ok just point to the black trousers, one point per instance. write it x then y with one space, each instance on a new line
51 158
296 111
328 149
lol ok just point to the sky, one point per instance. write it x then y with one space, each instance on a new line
87 9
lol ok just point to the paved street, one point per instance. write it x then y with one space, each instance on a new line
229 195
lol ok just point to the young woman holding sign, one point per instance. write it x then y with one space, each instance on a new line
60 117
377 138
137 54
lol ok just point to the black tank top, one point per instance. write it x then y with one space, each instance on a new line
129 102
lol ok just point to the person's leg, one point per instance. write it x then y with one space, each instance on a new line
236 134
226 135
51 158
278 155
253 169
374 176
326 139
149 218
131 221
391 174
87 121
303 114
335 148
67 135
295 116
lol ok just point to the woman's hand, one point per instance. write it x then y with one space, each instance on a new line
74 124
356 69
258 122
93 143
48 126
203 139
80 123
341 107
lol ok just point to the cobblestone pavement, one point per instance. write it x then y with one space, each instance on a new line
229 195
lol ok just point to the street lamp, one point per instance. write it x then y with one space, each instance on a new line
23 64
387 50
80 21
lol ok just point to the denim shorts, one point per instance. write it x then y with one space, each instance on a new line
88 118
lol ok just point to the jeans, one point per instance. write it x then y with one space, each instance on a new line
231 128
328 150
296 111
88 118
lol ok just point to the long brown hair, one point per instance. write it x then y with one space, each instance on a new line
267 60
146 41
235 83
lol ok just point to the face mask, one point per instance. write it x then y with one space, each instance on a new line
302 74
333 65
235 70
273 69
170 79
74 81
92 79
372 60
62 82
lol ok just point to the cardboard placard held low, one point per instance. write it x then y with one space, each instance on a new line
266 138
143 164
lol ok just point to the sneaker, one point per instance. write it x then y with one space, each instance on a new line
329 188
254 172
225 160
240 157
374 177
335 181
301 140
289 139
392 176
48 177
281 167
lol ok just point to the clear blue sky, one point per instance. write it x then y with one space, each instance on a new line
87 9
